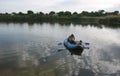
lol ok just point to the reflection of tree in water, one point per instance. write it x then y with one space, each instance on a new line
68 23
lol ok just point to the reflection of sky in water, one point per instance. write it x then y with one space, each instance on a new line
34 47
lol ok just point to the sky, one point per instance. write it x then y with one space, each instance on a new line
58 5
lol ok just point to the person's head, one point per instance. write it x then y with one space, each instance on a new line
72 35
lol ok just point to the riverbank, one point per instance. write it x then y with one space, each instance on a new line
108 20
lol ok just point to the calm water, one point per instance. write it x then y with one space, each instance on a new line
31 50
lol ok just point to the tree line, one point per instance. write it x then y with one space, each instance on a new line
93 16
65 13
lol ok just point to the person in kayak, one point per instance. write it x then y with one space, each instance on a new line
71 39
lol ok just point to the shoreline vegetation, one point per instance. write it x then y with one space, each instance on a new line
85 17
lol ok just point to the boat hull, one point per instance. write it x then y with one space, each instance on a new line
73 48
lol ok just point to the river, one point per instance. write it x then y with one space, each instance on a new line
32 50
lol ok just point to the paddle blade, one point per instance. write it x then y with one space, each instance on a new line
60 43
86 43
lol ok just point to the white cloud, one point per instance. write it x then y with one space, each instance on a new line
58 5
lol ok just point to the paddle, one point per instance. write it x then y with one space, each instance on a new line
60 43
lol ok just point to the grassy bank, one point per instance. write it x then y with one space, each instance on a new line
110 20
84 17
37 18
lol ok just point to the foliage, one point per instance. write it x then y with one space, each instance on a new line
30 12
93 16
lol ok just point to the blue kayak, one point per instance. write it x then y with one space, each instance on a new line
72 47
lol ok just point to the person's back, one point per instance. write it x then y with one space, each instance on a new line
71 39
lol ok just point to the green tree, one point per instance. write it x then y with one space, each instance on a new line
61 13
115 12
75 13
101 12
14 13
41 13
67 13
52 13
20 13
92 14
85 13
30 12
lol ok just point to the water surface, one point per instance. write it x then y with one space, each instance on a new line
31 50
